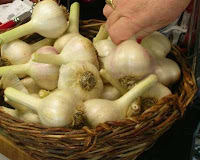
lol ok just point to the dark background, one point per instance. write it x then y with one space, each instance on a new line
175 144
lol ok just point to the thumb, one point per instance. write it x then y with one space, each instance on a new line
122 29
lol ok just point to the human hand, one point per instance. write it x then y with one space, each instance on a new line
140 17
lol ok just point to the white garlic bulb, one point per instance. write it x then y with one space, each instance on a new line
82 78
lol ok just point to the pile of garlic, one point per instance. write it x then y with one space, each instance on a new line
64 75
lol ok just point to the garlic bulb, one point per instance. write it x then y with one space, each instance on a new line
157 44
167 70
76 47
45 75
19 52
56 110
30 85
28 117
21 112
100 110
82 78
110 92
129 62
48 20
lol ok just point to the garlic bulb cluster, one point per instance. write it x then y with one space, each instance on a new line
48 20
75 79
74 46
19 52
100 110
82 78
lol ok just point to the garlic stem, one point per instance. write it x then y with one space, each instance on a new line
16 33
16 69
112 81
74 18
43 93
22 98
102 34
48 58
41 43
137 90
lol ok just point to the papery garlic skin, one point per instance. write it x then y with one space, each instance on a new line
56 110
58 115
48 19
129 59
110 92
82 78
158 91
167 70
157 44
79 49
45 75
22 52
28 117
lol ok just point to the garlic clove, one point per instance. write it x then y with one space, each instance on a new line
104 47
82 78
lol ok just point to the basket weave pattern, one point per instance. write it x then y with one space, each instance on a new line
124 139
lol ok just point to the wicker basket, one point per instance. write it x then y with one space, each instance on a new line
125 139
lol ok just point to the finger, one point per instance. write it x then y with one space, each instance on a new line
146 31
107 10
122 30
114 17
